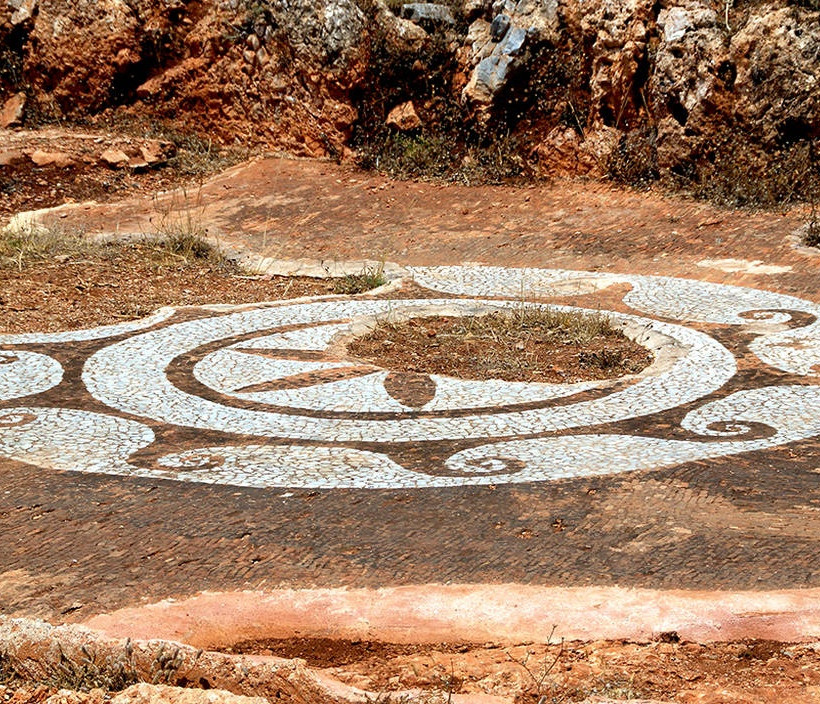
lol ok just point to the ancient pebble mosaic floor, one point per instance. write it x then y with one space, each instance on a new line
264 396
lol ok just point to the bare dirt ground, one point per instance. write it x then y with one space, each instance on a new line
755 671
120 282
50 167
665 671
492 224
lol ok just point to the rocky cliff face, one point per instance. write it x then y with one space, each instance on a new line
587 86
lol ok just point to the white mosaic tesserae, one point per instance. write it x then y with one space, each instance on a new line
302 415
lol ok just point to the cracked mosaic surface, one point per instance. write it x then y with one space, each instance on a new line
265 396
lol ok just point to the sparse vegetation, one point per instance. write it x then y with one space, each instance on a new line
82 672
431 156
737 173
527 343
539 674
22 244
197 156
449 145
367 279
634 161
180 233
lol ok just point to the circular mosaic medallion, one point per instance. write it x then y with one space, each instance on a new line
266 396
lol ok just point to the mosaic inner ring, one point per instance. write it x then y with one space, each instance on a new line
148 392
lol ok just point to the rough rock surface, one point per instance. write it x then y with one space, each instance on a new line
43 652
404 117
277 72
11 112
498 42
144 693
291 74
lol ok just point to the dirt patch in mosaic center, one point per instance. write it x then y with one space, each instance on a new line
528 344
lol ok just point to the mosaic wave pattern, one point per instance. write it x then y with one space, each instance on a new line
265 396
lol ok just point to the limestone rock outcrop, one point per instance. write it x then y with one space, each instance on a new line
577 75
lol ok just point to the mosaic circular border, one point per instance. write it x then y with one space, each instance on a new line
261 396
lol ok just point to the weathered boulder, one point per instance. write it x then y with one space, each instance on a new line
619 32
326 30
497 44
404 117
11 112
706 82
41 650
691 81
776 55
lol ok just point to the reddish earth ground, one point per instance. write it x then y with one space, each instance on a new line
665 671
322 211
753 671
116 283
69 168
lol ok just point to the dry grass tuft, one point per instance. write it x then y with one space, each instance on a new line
527 343
366 280
22 245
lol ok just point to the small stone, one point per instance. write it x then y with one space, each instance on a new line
115 158
11 114
137 164
404 117
262 56
253 42
427 12
499 27
22 10
59 159
249 56
156 153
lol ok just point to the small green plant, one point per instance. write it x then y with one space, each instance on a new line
367 279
